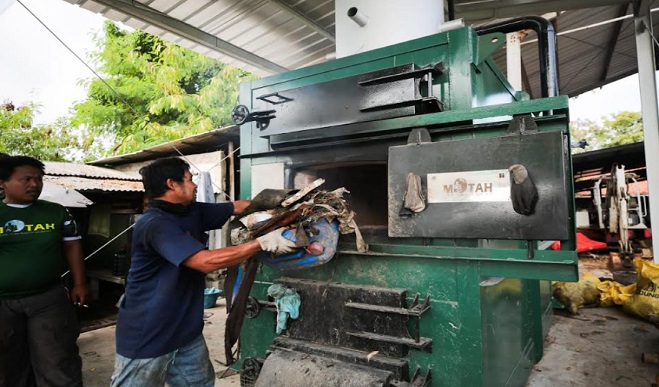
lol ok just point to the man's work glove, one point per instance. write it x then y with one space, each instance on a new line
523 193
274 242
266 200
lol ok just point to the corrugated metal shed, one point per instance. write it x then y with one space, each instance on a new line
85 178
587 167
54 168
86 184
596 43
217 139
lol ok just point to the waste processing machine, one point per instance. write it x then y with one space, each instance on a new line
453 292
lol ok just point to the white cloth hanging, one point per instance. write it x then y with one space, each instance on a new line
205 188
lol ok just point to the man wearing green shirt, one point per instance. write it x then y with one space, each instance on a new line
38 241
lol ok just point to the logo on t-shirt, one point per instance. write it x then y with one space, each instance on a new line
16 226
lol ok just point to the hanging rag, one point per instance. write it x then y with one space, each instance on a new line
523 193
205 192
287 302
414 200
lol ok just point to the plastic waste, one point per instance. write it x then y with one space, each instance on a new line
327 237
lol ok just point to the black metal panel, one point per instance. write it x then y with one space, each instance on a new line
388 93
381 90
328 320
544 155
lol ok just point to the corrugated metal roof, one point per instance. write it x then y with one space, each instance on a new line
216 139
54 168
83 184
272 36
590 50
225 30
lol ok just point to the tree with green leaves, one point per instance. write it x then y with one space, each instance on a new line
152 91
19 135
618 129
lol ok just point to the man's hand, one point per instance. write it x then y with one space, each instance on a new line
274 242
78 294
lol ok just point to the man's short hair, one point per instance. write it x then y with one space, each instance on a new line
155 175
8 164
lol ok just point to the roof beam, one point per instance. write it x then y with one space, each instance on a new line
645 54
167 23
615 34
497 9
642 7
304 19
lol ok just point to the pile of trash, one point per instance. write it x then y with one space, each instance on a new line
640 299
315 218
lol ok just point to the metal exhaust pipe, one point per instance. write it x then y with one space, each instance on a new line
357 16
546 47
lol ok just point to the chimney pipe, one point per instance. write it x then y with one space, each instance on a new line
364 25
357 16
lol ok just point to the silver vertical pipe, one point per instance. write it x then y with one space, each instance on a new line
232 188
650 112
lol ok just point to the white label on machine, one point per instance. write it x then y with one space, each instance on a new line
472 186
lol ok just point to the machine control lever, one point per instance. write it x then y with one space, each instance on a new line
241 114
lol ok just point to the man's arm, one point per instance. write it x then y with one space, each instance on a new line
209 260
75 259
239 206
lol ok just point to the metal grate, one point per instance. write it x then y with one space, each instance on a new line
250 372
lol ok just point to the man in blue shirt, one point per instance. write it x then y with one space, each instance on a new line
159 328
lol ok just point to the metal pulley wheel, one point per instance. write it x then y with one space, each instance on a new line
239 114
252 308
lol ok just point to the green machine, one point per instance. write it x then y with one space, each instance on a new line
457 293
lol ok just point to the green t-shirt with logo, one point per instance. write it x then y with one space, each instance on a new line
31 251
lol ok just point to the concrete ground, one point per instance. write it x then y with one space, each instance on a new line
597 347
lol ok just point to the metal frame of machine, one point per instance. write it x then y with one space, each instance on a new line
461 306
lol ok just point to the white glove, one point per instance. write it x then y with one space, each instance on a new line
274 242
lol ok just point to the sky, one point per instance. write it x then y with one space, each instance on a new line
34 66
